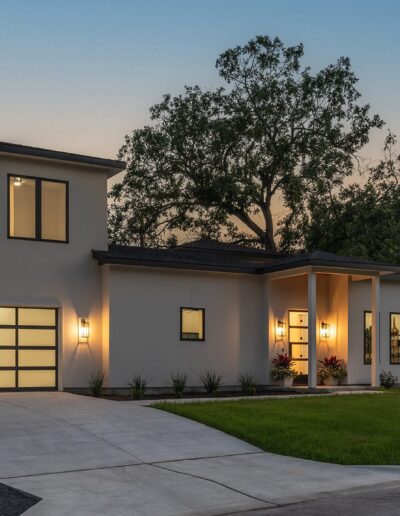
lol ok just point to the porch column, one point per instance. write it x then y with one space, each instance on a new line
375 341
312 329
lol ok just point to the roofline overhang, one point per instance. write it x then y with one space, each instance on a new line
105 260
328 266
16 150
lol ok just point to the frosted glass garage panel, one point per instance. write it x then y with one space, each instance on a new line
36 378
36 358
7 316
7 337
7 358
35 337
37 317
7 379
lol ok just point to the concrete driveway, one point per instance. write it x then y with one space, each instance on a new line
96 457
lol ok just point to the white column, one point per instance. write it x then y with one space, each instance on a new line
375 341
312 329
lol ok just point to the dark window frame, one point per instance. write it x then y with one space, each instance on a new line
38 209
17 368
365 312
203 310
390 338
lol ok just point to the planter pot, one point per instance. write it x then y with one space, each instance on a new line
331 382
286 381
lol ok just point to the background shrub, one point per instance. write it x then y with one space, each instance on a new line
138 385
248 384
387 379
178 381
95 385
211 382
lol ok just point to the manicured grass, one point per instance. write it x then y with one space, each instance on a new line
351 429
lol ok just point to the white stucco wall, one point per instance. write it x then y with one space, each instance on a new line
144 322
360 300
60 274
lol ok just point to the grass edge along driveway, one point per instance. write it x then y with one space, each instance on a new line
353 429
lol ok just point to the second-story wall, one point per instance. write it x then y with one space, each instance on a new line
36 273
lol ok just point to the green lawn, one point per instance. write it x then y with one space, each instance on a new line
351 429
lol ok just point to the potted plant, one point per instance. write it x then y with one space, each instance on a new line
283 371
332 371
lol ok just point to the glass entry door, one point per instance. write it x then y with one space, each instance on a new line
298 340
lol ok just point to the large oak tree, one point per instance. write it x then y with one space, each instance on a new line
213 161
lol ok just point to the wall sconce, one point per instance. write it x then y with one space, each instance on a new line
83 330
280 329
325 330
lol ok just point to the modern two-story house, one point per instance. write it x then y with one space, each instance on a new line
71 305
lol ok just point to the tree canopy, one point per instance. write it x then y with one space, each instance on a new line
213 162
360 219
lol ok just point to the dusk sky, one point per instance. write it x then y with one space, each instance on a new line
80 74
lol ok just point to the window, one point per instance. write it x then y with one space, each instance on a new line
28 348
192 323
37 209
367 337
394 338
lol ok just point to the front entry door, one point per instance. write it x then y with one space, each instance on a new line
298 340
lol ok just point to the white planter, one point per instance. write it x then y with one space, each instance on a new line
331 381
286 381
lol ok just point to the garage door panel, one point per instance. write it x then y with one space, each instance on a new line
36 378
7 379
37 316
7 337
28 348
36 337
7 357
36 358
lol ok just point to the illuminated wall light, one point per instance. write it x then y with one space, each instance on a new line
83 330
325 330
280 329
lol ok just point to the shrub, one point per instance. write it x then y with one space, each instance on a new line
211 382
138 385
95 385
387 379
332 366
283 366
248 385
178 381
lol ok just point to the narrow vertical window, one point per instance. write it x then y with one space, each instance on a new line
22 194
367 337
394 338
37 209
192 323
54 200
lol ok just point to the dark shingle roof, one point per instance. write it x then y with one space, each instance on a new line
218 256
113 166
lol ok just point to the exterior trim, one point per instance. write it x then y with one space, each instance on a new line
114 166
203 310
38 210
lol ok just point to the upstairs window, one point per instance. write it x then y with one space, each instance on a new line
37 209
192 323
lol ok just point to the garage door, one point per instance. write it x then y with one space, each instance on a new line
28 348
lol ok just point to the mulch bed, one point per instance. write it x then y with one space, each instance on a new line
14 502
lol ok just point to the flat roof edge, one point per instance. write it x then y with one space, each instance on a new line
114 166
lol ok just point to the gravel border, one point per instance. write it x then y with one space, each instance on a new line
14 502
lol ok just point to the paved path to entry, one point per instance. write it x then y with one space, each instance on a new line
90 456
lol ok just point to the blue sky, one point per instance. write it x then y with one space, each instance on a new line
77 75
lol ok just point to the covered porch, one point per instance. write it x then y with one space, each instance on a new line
309 316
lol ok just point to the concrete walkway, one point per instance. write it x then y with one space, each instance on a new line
97 457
